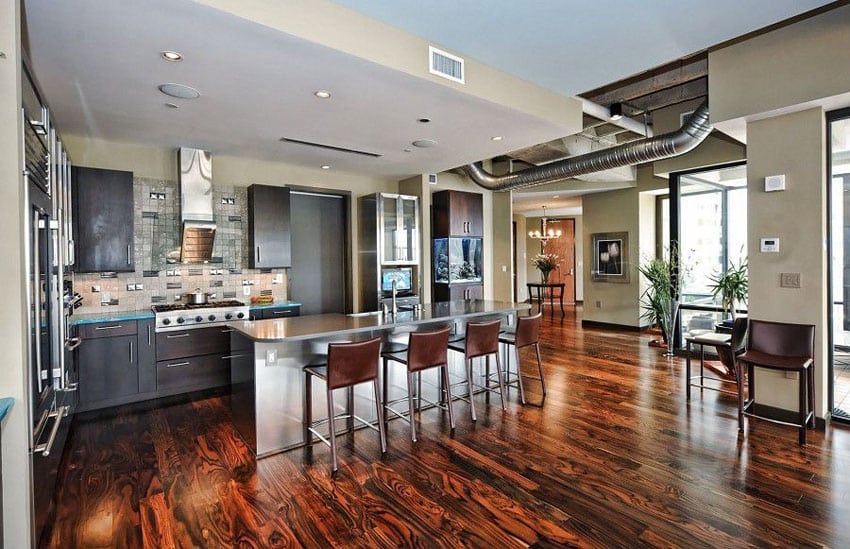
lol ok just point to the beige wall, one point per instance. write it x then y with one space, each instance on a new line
783 69
616 211
522 257
502 247
15 431
793 145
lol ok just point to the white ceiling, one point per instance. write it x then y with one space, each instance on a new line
573 46
98 62
99 66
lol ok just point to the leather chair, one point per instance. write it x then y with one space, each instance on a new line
786 348
482 340
737 345
348 364
728 346
425 350
527 333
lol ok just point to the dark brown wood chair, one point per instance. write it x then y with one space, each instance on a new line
784 347
481 340
348 364
527 333
425 350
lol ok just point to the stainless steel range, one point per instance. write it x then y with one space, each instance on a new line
179 316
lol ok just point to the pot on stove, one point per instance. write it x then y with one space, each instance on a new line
197 297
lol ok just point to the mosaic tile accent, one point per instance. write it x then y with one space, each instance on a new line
158 237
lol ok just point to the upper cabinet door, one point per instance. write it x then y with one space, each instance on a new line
269 227
103 215
399 216
458 213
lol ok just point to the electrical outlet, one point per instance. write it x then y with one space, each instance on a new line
271 357
598 304
246 290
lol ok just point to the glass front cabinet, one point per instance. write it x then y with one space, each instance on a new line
399 233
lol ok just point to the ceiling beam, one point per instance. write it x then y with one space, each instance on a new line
650 82
671 96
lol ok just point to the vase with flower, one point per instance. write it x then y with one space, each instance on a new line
545 263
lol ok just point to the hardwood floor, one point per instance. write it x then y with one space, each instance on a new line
615 458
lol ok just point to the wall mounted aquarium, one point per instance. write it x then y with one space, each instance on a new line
458 260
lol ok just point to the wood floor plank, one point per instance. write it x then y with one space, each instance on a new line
615 457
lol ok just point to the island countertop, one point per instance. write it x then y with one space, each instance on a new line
332 325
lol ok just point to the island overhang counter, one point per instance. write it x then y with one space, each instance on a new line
267 357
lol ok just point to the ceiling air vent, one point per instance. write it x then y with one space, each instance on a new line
445 64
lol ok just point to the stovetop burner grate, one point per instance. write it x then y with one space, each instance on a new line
191 306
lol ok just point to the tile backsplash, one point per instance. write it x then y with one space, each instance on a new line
157 236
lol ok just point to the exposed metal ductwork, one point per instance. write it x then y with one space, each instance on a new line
660 147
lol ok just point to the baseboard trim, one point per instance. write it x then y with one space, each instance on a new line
597 324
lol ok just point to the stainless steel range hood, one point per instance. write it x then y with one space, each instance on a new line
196 206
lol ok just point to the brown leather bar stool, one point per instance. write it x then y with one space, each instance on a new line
425 350
787 348
527 333
349 364
482 340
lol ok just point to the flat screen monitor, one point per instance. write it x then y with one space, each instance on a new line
403 277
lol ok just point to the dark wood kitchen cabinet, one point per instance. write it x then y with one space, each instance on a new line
457 213
269 238
276 312
147 356
108 362
103 217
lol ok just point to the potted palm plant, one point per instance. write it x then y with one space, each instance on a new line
732 287
660 299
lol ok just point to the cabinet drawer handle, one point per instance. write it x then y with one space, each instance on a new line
131 352
226 331
177 336
176 364
232 356
117 326
281 313
128 254
149 335
258 254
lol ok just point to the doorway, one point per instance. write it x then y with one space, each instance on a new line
318 276
565 249
838 179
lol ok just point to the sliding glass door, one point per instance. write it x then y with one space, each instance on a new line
709 221
838 128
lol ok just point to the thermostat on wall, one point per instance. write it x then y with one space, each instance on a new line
770 245
774 183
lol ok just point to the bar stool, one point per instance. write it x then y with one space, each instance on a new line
348 364
425 350
787 348
482 340
527 333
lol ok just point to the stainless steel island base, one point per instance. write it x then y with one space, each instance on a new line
268 384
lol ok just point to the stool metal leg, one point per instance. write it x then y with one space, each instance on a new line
811 373
688 372
518 374
411 406
470 391
448 385
308 408
332 428
540 368
386 387
379 406
501 383
803 398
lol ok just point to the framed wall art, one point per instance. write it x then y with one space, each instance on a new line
610 257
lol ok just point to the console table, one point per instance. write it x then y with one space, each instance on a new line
540 286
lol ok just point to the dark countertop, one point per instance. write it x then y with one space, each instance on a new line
311 326
5 406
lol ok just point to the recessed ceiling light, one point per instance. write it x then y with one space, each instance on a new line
424 143
322 94
172 106
496 138
326 167
556 196
423 120
169 55
180 91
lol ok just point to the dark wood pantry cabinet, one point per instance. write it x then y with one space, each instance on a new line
457 246
269 238
103 218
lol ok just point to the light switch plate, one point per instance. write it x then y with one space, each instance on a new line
774 183
789 280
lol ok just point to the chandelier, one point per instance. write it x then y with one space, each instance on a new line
545 233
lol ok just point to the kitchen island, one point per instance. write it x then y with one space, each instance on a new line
267 382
